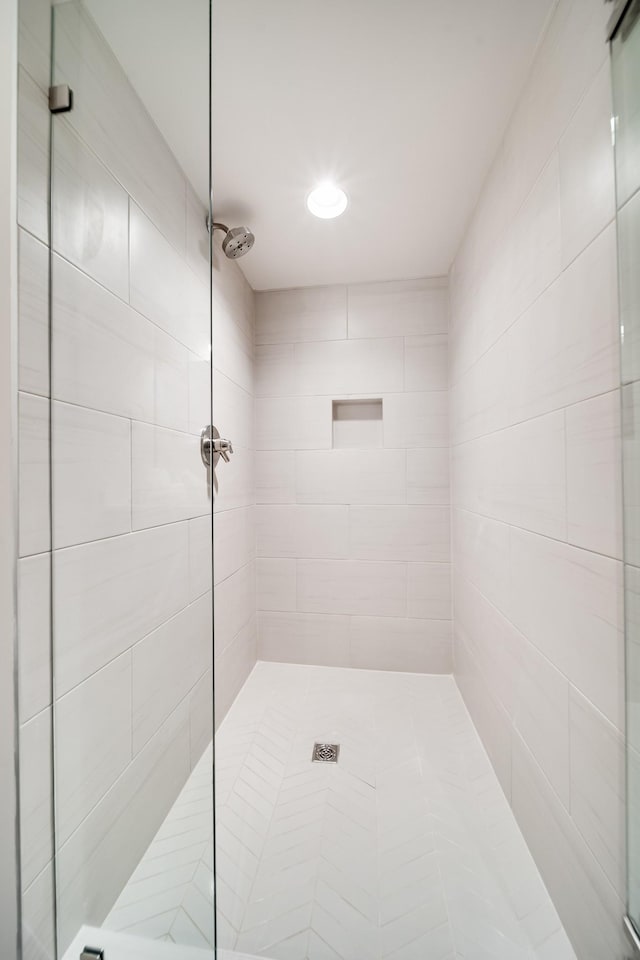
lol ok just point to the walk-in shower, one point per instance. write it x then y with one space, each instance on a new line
340 677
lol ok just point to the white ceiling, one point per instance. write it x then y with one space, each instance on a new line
402 102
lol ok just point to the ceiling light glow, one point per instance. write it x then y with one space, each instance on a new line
327 201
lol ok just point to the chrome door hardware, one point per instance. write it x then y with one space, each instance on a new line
60 98
92 953
213 446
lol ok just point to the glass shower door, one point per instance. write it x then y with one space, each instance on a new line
131 494
625 59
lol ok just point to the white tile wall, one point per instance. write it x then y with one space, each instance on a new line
299 423
168 480
399 533
89 213
33 475
33 322
35 796
352 587
350 476
33 156
353 530
311 313
92 477
164 288
131 360
34 617
111 358
166 665
297 530
536 478
398 308
111 593
93 747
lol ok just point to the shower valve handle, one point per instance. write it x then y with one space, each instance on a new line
213 446
223 447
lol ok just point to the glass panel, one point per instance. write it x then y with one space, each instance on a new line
625 50
131 496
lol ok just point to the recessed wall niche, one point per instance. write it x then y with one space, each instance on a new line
357 423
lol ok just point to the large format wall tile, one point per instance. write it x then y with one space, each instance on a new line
33 315
416 420
586 169
429 591
628 225
275 472
110 594
350 476
565 347
111 119
91 455
109 357
348 366
166 665
34 618
527 484
303 638
398 308
594 481
586 901
126 819
233 350
90 212
534 374
425 363
168 477
33 157
38 924
232 409
122 205
33 476
399 533
200 556
389 643
232 667
93 745
36 807
300 423
598 787
300 530
234 540
34 43
375 494
276 584
428 476
164 288
234 605
352 587
577 627
310 313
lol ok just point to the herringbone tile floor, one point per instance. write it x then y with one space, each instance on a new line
404 850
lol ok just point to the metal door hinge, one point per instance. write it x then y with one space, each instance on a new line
60 98
92 953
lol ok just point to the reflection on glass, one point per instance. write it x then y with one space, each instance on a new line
131 498
625 50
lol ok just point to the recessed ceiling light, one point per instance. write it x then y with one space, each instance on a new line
327 201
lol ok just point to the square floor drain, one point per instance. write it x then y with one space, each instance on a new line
325 752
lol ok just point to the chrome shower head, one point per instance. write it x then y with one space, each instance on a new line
237 241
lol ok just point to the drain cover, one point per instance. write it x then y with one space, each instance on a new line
325 752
